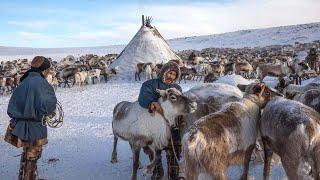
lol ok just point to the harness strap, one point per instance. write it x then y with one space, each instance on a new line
171 140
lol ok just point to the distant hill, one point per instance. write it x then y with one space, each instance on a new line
251 38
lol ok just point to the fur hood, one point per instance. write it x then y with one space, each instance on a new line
170 66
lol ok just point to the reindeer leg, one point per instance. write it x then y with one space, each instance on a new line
135 161
151 166
247 162
300 81
267 158
114 158
106 78
158 170
131 147
316 164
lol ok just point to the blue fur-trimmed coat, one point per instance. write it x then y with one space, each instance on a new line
31 100
148 93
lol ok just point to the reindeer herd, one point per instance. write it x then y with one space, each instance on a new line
250 66
66 73
222 124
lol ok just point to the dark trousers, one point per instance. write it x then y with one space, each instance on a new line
171 153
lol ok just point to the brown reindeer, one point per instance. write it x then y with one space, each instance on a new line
225 137
187 72
139 69
243 66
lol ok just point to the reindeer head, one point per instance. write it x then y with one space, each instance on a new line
259 93
174 104
304 66
283 83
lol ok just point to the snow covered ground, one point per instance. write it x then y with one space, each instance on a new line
81 148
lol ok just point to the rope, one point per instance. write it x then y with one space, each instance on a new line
55 121
174 150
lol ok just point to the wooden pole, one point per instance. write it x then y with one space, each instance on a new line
143 20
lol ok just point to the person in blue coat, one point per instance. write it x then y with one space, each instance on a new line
31 101
148 98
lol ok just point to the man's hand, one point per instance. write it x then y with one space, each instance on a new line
10 127
155 106
51 115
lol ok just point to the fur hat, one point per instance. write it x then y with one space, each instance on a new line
40 63
170 66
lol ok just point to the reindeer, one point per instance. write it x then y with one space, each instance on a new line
148 69
243 66
310 98
10 84
135 124
291 89
139 69
106 73
210 98
65 75
80 78
2 85
148 72
281 69
229 68
225 137
52 79
214 71
291 130
187 72
94 74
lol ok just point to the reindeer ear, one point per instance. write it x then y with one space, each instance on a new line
290 95
257 88
275 92
242 87
163 93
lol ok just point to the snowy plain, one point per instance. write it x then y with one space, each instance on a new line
81 148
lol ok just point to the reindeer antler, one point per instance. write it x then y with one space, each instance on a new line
148 21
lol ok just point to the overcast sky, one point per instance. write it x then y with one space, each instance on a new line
82 23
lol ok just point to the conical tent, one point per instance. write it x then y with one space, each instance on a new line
146 46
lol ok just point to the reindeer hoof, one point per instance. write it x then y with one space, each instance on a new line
146 171
140 165
114 160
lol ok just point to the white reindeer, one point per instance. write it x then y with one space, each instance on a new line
291 130
135 124
148 72
94 73
80 78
